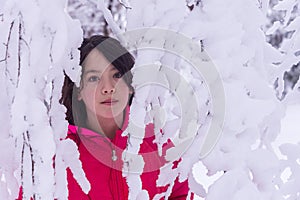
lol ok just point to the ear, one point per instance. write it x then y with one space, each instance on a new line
79 96
130 91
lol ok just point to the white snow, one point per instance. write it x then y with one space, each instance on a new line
197 72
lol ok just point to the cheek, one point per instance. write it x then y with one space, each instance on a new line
88 96
122 86
124 89
89 90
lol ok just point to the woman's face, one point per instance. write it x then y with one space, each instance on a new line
103 90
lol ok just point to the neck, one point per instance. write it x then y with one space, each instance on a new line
106 126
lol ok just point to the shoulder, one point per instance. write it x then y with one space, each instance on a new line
73 133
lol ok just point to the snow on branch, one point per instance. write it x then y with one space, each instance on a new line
230 33
36 49
204 76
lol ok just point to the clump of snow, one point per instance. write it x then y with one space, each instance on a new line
201 67
41 43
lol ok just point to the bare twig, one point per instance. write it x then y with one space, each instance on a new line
20 29
19 52
32 161
21 40
125 4
51 102
7 45
22 165
26 142
51 46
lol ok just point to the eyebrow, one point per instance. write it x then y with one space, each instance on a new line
98 71
92 71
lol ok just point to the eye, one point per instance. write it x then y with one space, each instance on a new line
93 79
118 75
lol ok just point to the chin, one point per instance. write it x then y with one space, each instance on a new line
109 114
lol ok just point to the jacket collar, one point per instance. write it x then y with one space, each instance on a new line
73 129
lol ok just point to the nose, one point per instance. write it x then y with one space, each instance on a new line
107 91
108 88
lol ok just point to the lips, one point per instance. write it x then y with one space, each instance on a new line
109 101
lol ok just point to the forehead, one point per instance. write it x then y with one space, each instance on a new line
96 61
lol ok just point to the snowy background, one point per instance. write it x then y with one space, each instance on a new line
254 46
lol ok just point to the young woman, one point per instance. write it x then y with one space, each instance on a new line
98 112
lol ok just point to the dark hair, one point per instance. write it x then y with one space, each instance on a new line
116 54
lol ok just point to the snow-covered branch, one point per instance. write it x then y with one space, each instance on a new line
194 61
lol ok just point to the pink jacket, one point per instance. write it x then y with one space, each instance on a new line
105 174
